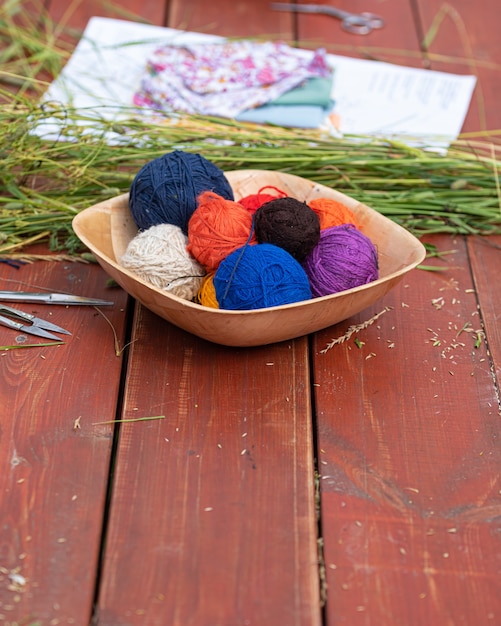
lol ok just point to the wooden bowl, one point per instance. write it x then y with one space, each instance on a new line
106 229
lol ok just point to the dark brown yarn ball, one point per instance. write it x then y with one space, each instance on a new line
289 224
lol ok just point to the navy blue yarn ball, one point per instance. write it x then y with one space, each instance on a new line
260 276
165 190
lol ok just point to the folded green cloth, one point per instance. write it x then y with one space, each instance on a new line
289 115
313 91
305 106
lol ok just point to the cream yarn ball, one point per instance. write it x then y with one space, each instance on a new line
159 256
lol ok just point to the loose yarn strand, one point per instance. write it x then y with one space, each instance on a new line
237 262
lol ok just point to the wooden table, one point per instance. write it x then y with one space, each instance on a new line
285 486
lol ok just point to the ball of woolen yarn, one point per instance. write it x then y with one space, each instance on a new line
344 258
259 276
289 224
165 190
216 228
332 213
207 293
253 201
159 257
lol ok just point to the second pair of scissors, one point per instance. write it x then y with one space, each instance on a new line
25 322
357 23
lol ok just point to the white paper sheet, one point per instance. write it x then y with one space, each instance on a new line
372 97
381 98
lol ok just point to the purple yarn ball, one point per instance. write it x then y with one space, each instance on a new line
344 258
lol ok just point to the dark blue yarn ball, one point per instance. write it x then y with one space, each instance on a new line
165 190
260 276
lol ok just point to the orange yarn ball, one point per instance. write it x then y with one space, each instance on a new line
332 213
254 201
217 228
207 293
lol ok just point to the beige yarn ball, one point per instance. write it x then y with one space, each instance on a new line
159 256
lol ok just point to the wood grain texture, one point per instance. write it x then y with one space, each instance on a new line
54 462
464 38
231 18
396 42
76 14
212 518
485 259
408 429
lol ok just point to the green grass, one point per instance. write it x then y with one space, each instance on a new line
43 184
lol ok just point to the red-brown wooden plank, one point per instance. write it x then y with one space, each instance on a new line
468 42
212 517
54 462
231 18
396 42
485 258
77 14
408 430
373 453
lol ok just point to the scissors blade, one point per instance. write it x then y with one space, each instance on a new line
29 329
295 8
51 298
41 323
39 332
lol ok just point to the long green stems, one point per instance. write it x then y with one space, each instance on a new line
44 182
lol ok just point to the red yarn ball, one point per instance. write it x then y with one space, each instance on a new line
254 201
217 228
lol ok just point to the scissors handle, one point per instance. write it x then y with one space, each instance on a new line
34 322
361 23
31 329
357 23
9 323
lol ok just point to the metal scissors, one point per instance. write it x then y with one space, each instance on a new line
50 298
27 323
357 23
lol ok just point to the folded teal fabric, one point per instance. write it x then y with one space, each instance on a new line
289 115
305 106
314 91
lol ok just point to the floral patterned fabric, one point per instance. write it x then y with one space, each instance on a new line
224 79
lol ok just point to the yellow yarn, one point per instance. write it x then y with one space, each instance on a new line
207 294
